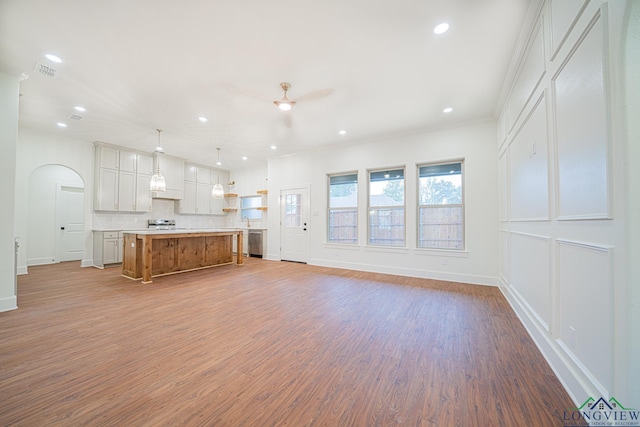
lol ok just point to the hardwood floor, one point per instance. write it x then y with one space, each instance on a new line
267 344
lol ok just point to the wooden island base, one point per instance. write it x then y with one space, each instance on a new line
149 254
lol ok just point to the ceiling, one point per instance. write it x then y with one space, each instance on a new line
372 68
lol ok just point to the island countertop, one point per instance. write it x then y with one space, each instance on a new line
149 253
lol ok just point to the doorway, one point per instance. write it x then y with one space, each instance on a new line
294 220
55 218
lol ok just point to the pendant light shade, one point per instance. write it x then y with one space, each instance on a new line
158 182
217 191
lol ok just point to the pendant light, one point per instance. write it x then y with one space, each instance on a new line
157 180
218 192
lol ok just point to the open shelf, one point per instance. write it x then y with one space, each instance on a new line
230 195
262 192
229 209
262 208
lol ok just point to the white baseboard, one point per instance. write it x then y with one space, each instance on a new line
7 304
575 381
409 272
22 269
86 263
40 261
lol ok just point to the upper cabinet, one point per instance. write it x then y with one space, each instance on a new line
173 170
121 180
198 183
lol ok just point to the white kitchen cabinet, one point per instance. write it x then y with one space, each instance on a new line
106 190
173 170
190 172
143 193
119 178
127 191
204 175
145 164
197 199
188 202
108 157
203 198
128 161
107 248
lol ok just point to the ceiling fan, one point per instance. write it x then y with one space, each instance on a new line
285 104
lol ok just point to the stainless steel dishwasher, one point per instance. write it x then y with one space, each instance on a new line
255 243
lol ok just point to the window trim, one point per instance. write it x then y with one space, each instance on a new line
404 207
329 208
462 205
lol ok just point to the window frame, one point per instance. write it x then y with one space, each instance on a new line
462 205
404 206
346 208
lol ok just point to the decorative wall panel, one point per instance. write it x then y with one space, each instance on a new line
529 76
582 139
585 306
562 16
503 176
530 274
528 168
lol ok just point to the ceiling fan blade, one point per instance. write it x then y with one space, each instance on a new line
316 94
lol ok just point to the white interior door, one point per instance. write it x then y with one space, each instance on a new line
69 223
294 220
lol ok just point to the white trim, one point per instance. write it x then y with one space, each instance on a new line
407 272
7 304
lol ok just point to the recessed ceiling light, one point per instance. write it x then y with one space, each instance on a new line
447 110
342 132
273 147
245 158
61 124
80 108
441 28
53 58
158 148
203 119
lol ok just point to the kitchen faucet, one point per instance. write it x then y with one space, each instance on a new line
247 218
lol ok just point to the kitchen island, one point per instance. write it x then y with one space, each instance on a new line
152 253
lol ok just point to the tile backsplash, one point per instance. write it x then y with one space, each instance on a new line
161 209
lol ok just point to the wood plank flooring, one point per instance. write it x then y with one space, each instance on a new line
267 344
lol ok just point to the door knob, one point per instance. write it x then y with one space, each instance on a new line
61 228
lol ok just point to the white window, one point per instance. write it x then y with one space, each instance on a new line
386 208
249 207
343 208
441 208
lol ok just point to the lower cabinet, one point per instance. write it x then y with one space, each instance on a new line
245 243
107 248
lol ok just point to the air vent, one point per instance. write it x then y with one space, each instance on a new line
45 70
74 117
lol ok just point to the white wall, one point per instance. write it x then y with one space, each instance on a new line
563 203
9 93
473 143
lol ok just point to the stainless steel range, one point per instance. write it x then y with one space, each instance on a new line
161 224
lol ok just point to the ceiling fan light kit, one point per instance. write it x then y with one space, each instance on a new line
285 103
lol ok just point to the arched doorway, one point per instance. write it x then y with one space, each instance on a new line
55 218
